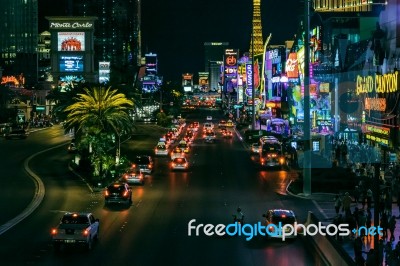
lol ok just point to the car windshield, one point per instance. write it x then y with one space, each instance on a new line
210 133
115 189
161 147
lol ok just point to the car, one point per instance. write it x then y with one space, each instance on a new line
144 163
118 192
161 149
209 136
276 216
196 124
255 148
209 118
227 134
71 147
133 176
222 124
184 146
16 134
75 228
208 126
179 164
177 152
230 123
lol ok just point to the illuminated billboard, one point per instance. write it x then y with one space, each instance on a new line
71 63
71 41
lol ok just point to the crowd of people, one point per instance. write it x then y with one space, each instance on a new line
357 208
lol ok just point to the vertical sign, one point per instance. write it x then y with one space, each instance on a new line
249 79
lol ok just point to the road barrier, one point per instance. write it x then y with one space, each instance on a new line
326 247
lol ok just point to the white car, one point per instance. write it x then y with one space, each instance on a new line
161 149
179 164
177 153
133 177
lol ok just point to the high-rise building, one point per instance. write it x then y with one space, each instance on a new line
214 58
19 39
117 33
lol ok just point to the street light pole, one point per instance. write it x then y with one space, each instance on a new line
253 105
306 123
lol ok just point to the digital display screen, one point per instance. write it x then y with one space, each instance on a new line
71 63
71 41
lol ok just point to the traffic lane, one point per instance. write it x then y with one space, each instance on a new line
29 241
17 186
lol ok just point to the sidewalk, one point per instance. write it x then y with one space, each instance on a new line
324 202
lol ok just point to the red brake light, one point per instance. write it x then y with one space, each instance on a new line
85 232
106 193
125 194
53 231
150 166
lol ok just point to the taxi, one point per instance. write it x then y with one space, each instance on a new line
184 146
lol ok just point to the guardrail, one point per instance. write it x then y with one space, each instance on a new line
326 247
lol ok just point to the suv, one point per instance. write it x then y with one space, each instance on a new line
118 193
144 163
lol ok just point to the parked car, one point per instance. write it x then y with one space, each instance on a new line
16 134
276 216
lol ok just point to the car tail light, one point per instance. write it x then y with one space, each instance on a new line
85 232
54 231
282 160
150 166
173 164
186 165
133 165
155 150
106 193
125 194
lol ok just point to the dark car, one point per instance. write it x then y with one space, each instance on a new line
143 163
118 193
16 134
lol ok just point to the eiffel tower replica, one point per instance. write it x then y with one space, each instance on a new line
256 34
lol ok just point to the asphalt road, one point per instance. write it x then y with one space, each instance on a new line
154 229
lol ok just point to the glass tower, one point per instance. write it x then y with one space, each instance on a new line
19 39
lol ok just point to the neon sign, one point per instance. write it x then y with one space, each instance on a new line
386 83
378 130
377 104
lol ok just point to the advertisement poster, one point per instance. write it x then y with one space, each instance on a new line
71 63
71 41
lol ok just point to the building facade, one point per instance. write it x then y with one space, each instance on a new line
19 39
213 59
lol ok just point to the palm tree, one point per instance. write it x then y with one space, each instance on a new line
98 115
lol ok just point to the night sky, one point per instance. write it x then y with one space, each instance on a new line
177 29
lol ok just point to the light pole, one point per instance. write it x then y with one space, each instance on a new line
253 105
306 128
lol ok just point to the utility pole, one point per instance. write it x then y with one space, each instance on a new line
306 123
253 104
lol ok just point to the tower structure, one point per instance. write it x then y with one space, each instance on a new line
256 41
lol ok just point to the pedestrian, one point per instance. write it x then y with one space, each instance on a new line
371 261
369 198
398 201
392 227
359 259
338 203
356 194
368 221
346 202
384 223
